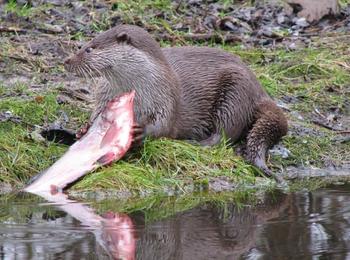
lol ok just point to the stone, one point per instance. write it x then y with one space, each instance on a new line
281 19
301 22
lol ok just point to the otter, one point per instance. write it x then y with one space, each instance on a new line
188 93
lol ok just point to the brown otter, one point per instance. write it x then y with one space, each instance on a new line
193 93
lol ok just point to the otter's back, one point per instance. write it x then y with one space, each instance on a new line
205 75
208 62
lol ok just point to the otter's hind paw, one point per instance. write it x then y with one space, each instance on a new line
267 172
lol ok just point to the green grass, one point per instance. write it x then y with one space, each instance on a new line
21 156
20 10
164 166
25 10
344 2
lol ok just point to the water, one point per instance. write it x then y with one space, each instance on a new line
303 225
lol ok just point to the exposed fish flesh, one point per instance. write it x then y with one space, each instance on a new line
107 140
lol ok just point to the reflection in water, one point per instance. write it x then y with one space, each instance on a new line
113 232
306 225
208 232
313 225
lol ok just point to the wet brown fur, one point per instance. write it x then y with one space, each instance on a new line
191 93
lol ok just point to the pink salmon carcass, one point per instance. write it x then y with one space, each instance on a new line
107 140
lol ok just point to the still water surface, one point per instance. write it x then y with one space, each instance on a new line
302 225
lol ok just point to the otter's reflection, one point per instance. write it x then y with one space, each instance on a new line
208 231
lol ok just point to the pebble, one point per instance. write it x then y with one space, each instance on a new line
281 19
292 46
281 151
301 22
51 28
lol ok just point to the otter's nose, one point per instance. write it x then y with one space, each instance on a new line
67 61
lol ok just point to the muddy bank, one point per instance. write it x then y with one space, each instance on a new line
264 23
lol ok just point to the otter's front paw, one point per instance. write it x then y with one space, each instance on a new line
139 135
82 131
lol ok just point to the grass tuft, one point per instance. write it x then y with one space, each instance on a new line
167 165
19 10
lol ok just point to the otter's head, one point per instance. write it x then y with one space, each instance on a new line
121 52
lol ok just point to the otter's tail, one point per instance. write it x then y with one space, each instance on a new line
270 125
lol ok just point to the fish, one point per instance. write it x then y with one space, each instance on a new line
107 140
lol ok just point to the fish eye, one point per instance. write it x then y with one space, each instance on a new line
88 50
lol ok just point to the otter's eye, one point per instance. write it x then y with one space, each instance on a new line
88 50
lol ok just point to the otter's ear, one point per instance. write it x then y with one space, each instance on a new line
123 37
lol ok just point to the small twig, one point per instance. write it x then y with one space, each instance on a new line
319 113
343 132
320 123
22 59
323 125
342 64
178 6
15 119
12 29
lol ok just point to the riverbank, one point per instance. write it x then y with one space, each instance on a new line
310 81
